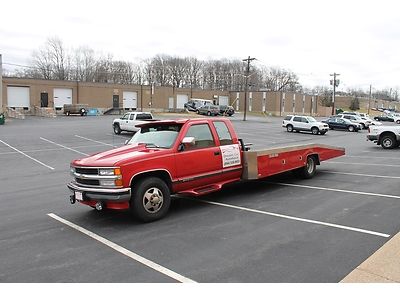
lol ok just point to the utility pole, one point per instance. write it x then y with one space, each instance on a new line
246 84
1 84
369 99
335 83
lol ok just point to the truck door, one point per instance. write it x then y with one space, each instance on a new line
124 122
199 164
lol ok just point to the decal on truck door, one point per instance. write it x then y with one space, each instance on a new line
230 155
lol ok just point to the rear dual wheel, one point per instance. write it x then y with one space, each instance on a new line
309 170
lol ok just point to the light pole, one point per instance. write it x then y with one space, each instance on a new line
369 98
1 84
335 83
246 85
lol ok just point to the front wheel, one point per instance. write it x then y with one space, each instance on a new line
117 129
314 130
351 128
150 199
289 128
398 121
388 142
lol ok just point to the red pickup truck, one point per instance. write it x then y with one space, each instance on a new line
186 156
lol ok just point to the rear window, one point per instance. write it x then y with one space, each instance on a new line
287 118
143 116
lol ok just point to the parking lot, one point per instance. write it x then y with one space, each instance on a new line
282 229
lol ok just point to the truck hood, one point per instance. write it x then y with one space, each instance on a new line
116 157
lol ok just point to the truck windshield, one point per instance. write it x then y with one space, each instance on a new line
156 136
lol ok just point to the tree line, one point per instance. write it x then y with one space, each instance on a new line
53 61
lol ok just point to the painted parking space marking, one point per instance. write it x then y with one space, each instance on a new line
362 175
298 219
360 164
335 190
62 146
98 142
368 157
124 251
48 150
26 155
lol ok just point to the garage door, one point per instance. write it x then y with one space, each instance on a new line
181 100
61 97
129 100
18 96
223 100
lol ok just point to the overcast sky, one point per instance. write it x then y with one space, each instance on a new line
358 39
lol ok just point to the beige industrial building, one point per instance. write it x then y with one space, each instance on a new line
27 95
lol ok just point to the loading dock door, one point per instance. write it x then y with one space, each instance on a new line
61 97
181 100
18 96
223 100
129 100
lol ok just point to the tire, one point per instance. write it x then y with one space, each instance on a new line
67 113
117 129
309 170
208 113
351 128
314 130
363 126
289 128
150 200
398 121
388 142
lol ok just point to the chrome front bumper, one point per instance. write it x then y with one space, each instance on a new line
114 195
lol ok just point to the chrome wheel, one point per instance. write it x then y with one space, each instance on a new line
153 200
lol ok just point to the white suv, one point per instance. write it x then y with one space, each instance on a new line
304 123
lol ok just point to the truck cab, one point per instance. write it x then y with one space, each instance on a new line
129 121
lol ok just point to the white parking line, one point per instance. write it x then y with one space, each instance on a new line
85 138
298 219
360 164
369 157
124 251
34 159
65 147
336 190
49 149
362 175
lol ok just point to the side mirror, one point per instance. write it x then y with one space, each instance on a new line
186 143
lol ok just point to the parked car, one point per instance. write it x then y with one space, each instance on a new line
194 104
355 119
75 109
386 118
129 121
304 123
226 110
340 123
209 110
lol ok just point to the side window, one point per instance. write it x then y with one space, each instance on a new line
287 118
297 119
132 117
125 117
304 120
202 135
224 135
143 116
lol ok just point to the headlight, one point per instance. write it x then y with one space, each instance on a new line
106 172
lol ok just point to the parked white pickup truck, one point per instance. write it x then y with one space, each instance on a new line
386 136
129 121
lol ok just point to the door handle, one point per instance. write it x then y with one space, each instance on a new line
217 153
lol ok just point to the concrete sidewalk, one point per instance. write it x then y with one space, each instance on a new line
382 266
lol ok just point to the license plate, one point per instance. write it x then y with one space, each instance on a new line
78 196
